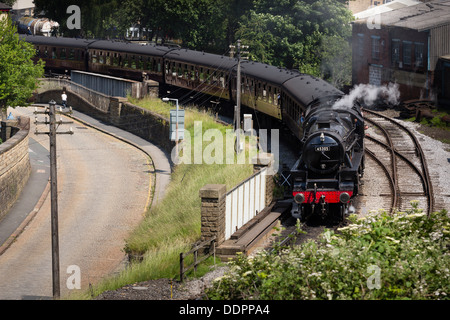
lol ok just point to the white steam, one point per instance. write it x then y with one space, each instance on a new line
369 94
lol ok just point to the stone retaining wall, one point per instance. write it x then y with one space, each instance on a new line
115 110
15 167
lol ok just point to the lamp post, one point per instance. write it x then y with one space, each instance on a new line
176 126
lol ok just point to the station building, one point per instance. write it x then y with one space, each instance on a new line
405 42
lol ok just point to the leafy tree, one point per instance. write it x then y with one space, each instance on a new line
18 72
336 55
292 34
9 2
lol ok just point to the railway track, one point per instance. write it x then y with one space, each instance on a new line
398 152
400 168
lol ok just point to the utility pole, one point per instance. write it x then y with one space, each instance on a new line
237 111
51 112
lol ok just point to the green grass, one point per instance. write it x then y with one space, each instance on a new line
174 224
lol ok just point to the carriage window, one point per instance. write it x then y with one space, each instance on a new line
53 53
222 80
72 54
108 58
193 73
186 72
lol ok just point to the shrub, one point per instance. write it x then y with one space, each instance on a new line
381 256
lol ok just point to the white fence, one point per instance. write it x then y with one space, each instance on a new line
244 202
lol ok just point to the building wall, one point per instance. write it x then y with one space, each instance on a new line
413 79
439 44
24 7
356 6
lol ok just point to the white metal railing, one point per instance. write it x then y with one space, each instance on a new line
244 202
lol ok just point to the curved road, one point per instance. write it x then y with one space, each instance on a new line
103 191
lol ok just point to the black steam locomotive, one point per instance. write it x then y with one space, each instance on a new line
327 175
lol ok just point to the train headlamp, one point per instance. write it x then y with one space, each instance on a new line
322 137
344 197
299 198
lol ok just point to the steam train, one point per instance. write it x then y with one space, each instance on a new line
326 177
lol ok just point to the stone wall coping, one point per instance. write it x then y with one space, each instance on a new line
213 191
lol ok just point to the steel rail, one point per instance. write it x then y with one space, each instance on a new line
390 178
426 175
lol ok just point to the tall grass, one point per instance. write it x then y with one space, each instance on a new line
174 224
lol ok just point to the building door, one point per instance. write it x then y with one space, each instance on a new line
375 75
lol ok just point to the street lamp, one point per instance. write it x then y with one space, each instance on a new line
176 127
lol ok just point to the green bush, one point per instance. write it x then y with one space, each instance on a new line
381 256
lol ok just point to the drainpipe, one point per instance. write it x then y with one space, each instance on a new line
429 65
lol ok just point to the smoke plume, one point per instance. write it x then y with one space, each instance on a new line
369 94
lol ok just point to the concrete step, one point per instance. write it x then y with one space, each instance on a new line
253 222
248 239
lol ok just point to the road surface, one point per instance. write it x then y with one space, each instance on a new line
103 190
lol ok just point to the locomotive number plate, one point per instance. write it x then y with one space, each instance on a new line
322 149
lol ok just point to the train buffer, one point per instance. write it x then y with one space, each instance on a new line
253 234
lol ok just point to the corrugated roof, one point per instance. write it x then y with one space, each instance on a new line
420 17
394 5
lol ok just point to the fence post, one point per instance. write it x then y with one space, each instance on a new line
266 160
181 266
213 212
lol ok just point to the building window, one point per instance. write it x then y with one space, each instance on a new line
418 53
360 44
375 47
395 49
407 53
